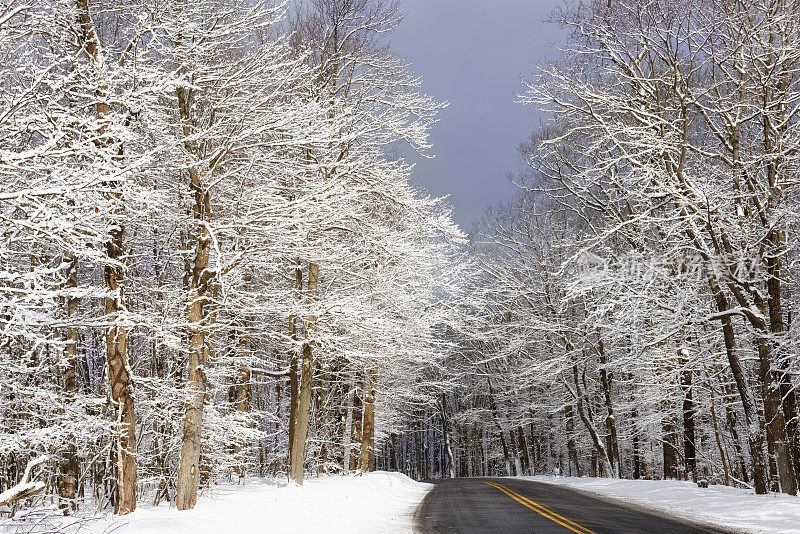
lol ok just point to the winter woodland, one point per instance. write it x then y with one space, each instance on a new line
214 265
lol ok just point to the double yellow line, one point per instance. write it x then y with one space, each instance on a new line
542 511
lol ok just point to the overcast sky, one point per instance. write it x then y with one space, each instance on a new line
473 53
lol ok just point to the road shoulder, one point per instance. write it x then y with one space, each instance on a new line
666 510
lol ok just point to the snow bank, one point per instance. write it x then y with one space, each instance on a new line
720 505
376 502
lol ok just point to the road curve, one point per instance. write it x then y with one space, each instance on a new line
510 506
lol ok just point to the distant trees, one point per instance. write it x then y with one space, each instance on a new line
211 261
372 102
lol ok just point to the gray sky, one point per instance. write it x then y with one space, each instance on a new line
473 54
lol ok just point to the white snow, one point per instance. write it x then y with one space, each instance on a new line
26 486
734 508
373 503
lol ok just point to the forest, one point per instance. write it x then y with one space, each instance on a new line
215 263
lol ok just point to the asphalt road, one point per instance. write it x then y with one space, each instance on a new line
508 506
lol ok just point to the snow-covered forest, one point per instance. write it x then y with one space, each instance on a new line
214 264
631 313
211 258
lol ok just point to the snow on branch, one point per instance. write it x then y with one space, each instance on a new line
26 488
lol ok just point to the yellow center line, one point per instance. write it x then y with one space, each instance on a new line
541 510
538 511
550 511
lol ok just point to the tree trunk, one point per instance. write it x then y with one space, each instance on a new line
534 450
297 446
670 451
124 436
294 365
776 238
773 414
242 405
572 451
637 453
523 446
70 467
447 444
506 454
419 453
189 470
612 442
755 435
717 431
493 406
201 278
730 417
366 460
346 429
515 453
777 441
775 125
689 449
161 429
124 442
355 428
583 413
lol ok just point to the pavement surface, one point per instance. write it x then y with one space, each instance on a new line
509 506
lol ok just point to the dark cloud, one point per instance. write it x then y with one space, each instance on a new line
473 53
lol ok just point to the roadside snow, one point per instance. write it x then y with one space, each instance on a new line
376 502
721 505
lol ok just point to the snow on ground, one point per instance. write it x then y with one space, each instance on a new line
376 502
721 505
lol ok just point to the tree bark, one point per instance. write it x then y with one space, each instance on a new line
448 447
523 446
582 412
689 448
242 405
119 379
294 365
347 426
514 452
366 461
755 435
612 442
493 406
773 414
297 446
776 238
70 466
189 470
670 451
120 382
717 432
730 418
355 427
572 451
637 453
201 278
